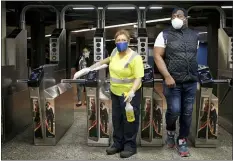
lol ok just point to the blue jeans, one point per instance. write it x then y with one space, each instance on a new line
180 102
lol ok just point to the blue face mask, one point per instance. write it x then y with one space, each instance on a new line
122 46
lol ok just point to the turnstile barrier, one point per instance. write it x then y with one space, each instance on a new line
98 107
204 129
205 119
151 111
52 107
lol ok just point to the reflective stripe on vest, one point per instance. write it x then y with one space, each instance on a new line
121 81
126 80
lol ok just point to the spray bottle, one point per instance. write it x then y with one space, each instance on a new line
129 111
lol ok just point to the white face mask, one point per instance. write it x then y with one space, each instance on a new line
86 54
177 23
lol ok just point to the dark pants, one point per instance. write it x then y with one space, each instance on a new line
50 119
180 102
124 132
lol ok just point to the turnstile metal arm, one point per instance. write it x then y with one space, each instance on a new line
78 81
222 81
82 81
155 80
158 80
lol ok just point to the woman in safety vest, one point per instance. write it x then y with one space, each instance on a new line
126 71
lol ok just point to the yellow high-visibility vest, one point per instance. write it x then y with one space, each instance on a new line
123 71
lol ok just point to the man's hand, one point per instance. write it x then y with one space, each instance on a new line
170 82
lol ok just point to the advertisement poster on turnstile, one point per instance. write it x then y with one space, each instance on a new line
92 119
157 119
50 119
207 125
104 118
37 119
146 119
151 119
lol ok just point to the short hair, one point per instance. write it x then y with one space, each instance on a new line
123 32
181 9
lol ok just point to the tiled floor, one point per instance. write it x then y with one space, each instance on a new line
73 147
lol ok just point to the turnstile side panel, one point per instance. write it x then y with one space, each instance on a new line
205 115
17 113
50 119
151 118
225 109
204 111
92 129
157 116
104 108
21 110
195 114
64 113
37 122
146 114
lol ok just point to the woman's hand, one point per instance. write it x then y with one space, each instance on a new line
129 96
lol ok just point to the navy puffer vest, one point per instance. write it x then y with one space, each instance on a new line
181 54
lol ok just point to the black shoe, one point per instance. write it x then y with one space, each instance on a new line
112 150
127 154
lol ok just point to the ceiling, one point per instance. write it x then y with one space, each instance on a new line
80 19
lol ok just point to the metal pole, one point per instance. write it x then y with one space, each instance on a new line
62 17
121 5
220 10
22 15
148 7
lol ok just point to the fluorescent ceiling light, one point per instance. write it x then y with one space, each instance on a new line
120 25
114 8
202 33
110 40
126 24
156 7
83 8
226 7
84 30
121 8
45 36
158 20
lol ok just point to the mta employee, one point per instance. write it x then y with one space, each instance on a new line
126 70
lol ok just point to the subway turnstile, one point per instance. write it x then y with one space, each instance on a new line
98 113
52 106
97 110
204 130
151 111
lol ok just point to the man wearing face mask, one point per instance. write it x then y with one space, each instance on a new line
175 54
84 61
